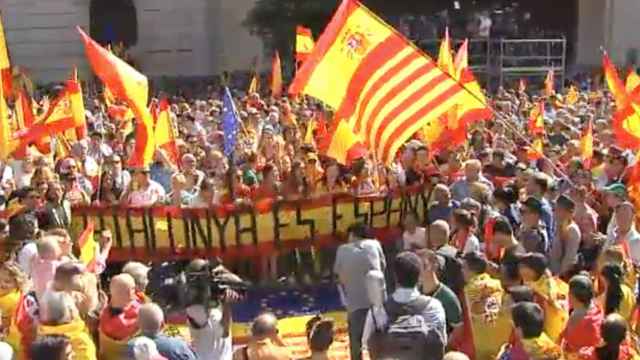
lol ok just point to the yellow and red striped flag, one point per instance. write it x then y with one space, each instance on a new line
549 83
88 247
536 119
445 58
536 150
383 87
130 85
342 144
74 89
5 65
276 76
165 134
304 43
7 143
586 145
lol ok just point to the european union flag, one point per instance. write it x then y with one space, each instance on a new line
229 122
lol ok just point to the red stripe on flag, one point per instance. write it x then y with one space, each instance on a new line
372 63
86 234
326 42
424 111
429 86
378 84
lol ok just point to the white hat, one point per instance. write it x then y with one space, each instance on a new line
6 352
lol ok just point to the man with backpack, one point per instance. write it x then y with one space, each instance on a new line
409 325
354 261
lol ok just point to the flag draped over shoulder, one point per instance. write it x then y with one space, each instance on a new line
384 89
130 85
304 43
276 76
88 247
164 133
5 65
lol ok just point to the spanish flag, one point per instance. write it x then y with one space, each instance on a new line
58 119
74 89
586 145
536 119
632 85
276 76
445 59
127 84
614 82
304 43
626 119
7 143
342 144
164 133
383 87
5 66
88 247
549 83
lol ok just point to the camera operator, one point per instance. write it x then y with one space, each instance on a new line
208 314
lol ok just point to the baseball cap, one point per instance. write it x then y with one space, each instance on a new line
617 189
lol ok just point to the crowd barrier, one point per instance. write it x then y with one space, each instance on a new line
167 232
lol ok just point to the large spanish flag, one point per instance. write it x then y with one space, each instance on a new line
165 138
378 82
632 85
5 65
615 84
626 119
304 43
57 120
7 144
74 89
127 84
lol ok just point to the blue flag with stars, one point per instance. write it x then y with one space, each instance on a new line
229 122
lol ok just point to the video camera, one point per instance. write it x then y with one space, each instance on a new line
177 285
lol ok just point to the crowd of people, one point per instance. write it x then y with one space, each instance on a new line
516 258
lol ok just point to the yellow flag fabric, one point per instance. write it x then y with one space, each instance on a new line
445 59
378 82
554 296
572 96
462 59
304 43
88 246
4 53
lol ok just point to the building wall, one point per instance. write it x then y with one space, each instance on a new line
175 38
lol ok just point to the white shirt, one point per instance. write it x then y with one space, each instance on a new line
26 255
434 314
633 240
472 245
207 341
153 194
415 240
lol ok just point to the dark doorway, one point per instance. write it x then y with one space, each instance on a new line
114 22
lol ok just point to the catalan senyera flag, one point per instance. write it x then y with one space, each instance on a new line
165 138
549 83
88 247
445 58
536 119
74 89
304 43
632 85
383 88
276 76
5 64
536 150
7 143
130 85
572 96
586 145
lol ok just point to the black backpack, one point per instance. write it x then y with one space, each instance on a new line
407 335
451 274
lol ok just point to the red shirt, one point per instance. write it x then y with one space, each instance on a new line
120 324
585 332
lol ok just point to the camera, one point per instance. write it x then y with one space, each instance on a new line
176 285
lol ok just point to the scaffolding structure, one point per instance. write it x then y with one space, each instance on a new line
499 62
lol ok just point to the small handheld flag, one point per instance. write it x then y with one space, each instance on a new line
88 247
229 122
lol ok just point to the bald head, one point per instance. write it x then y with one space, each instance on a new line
438 234
264 325
122 289
150 319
